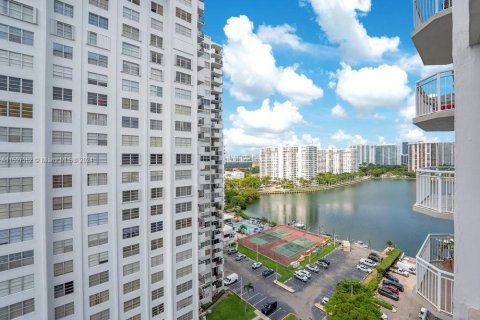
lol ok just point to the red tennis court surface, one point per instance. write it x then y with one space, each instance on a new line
283 244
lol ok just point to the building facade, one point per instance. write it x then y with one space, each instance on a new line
430 154
382 154
289 162
338 161
111 178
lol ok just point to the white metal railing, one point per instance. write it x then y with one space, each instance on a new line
434 282
435 93
436 189
425 9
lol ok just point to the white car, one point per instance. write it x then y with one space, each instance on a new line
403 272
230 279
325 300
363 268
368 262
312 267
384 316
300 276
306 273
256 265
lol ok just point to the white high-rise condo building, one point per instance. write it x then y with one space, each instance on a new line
111 173
337 161
430 154
447 32
381 154
289 162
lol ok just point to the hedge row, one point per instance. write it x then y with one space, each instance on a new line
389 260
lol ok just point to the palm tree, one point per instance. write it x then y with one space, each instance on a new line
242 229
389 243
249 286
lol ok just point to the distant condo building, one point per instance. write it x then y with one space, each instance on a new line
383 154
430 154
289 162
241 161
337 160
404 159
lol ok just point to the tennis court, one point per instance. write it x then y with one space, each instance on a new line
295 247
269 237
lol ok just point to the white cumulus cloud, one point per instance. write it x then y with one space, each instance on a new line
297 86
370 87
282 35
338 112
339 20
342 136
413 64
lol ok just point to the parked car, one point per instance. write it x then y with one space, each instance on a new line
393 283
312 267
306 273
228 280
368 262
300 276
240 257
325 300
373 253
256 265
388 294
267 272
401 271
363 268
390 277
423 314
391 288
374 258
322 264
384 317
269 308
231 251
324 261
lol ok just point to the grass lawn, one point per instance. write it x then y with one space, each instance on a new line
284 272
232 308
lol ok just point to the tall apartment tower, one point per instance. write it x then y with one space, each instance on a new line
338 161
307 163
387 155
447 32
430 154
269 162
111 187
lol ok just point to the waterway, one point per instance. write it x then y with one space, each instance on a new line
373 212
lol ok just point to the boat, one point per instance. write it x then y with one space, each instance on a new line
361 244
299 225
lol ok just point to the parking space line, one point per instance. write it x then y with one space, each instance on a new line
275 312
260 301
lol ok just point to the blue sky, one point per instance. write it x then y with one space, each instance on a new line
333 73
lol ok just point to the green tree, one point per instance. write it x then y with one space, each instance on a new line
390 243
242 229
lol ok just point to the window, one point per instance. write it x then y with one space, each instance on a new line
131 14
156 24
97 219
183 78
131 286
156 57
97 179
63 8
63 51
156 74
62 94
156 142
18 10
183 126
183 239
183 207
60 115
155 124
156 193
13 185
156 244
97 159
62 137
97 21
137 2
131 250
62 225
156 209
16 109
16 260
62 72
183 174
156 159
16 35
156 260
62 246
183 62
98 40
96 279
16 59
129 104
156 310
62 181
130 86
130 32
131 68
62 268
97 99
187 3
16 210
157 293
157 277
130 214
183 94
155 107
130 177
184 15
130 196
130 159
62 203
183 159
18 309
14 235
186 316
97 259
156 8
183 223
97 59
99 298
16 159
156 227
184 303
63 30
61 159
156 41
97 199
16 285
63 289
97 79
96 119
14 84
102 4
131 268
184 287
102 315
131 304
97 239
130 140
97 139
182 30
20 135
183 142
130 50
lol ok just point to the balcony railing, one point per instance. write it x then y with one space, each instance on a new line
435 93
435 277
435 190
425 9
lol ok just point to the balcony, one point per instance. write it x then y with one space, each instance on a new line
435 278
432 33
435 192
435 102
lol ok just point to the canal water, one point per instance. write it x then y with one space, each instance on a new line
373 212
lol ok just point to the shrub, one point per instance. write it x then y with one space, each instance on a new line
389 261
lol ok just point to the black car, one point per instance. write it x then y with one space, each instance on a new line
374 258
393 283
375 254
388 294
269 307
390 277
322 264
231 251
324 261
267 272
